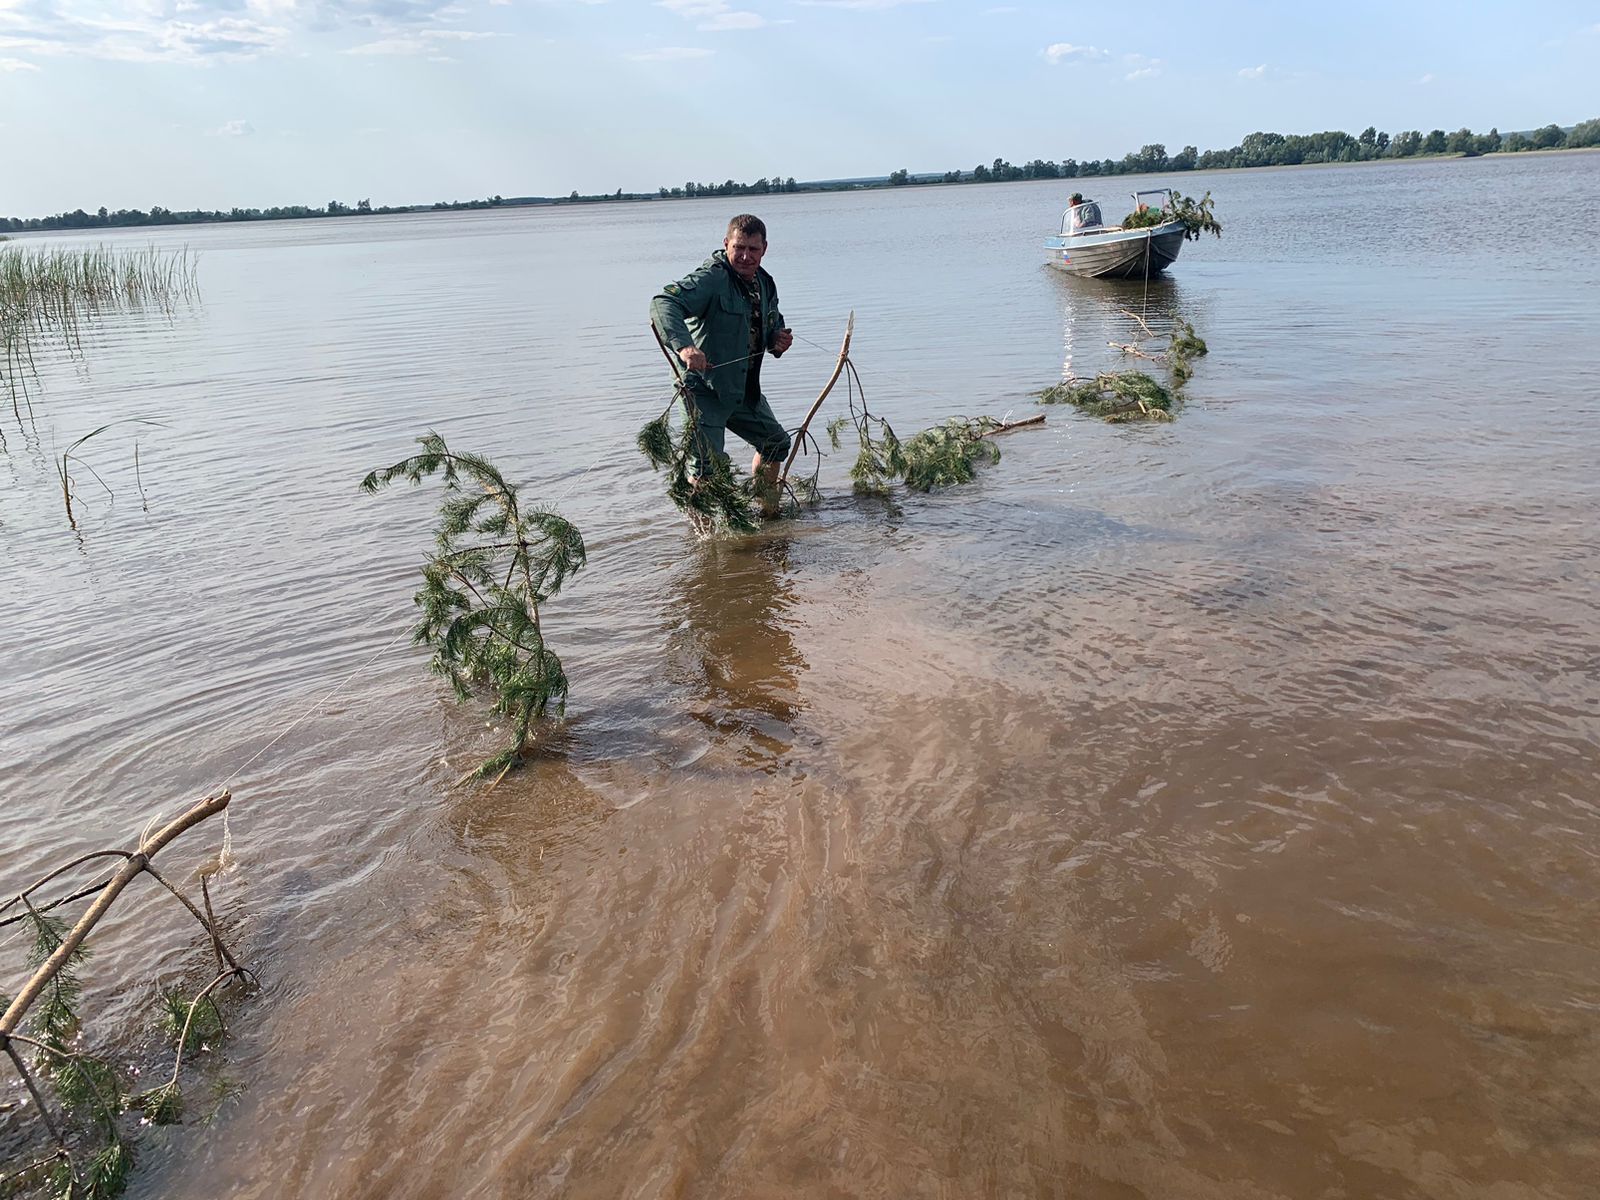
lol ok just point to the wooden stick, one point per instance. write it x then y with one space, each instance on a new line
1008 426
1130 348
1131 315
838 369
130 869
677 363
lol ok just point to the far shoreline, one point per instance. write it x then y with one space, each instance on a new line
810 187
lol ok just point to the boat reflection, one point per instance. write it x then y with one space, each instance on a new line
1100 315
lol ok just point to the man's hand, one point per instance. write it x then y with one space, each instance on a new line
693 358
781 341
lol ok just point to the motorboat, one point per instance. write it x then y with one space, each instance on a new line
1087 246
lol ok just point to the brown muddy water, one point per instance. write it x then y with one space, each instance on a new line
1201 810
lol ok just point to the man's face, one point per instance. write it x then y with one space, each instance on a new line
744 253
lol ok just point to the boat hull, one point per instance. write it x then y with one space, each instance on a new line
1118 253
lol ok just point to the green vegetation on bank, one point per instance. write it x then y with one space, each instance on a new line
1280 150
1256 150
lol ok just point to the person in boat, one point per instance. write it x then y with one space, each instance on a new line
721 320
1081 214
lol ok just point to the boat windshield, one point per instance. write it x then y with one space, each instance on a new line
1081 216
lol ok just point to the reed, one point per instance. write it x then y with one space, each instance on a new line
48 294
70 455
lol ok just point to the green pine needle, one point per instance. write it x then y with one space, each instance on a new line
206 1025
164 1105
655 442
497 559
89 1087
1115 396
107 1175
717 493
948 454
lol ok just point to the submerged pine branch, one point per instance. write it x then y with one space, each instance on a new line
497 559
79 1096
1119 397
1116 396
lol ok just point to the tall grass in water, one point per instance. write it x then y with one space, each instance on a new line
47 294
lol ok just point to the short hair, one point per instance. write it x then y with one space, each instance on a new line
749 226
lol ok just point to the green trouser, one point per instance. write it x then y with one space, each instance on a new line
713 417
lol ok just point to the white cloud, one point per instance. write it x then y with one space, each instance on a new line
713 16
203 31
394 45
424 42
859 4
733 20
236 129
1060 52
17 64
1428 78
1141 67
671 54
1253 72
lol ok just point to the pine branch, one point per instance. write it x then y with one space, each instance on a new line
496 560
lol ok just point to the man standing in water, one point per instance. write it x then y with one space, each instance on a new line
721 320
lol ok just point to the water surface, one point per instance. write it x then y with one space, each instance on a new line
1200 810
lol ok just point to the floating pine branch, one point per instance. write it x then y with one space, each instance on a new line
1185 347
496 560
1122 396
944 455
1116 396
949 453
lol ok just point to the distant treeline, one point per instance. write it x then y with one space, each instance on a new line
1279 150
1257 150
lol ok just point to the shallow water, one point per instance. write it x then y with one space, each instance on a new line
1201 810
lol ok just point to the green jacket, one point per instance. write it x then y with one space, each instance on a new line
707 308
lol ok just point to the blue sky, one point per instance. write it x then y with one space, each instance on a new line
216 103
